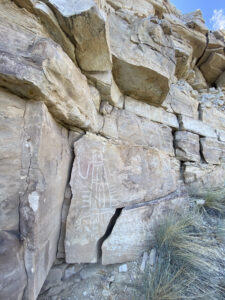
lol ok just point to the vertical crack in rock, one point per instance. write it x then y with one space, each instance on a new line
67 201
23 191
109 230
207 42
201 153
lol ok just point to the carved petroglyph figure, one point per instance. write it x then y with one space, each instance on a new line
96 192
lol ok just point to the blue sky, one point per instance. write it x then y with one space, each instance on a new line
207 7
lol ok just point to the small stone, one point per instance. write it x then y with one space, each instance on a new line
123 268
152 257
144 260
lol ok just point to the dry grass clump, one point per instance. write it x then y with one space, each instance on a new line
190 261
215 202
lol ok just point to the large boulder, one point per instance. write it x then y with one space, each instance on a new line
196 39
107 176
213 67
194 20
12 272
143 57
85 23
35 67
48 19
46 159
35 157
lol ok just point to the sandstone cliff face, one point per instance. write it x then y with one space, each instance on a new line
109 112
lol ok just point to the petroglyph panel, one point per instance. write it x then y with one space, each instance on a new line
107 176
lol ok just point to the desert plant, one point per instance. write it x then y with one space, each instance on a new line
189 259
215 202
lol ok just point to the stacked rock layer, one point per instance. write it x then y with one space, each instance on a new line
110 110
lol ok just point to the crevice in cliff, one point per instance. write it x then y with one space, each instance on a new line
109 230
23 192
207 43
67 196
202 158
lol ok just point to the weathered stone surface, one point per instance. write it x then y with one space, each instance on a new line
213 117
197 127
187 147
141 8
156 114
183 54
35 159
212 150
195 39
194 20
45 166
34 66
107 87
11 125
220 82
50 23
201 178
198 82
133 232
135 130
85 23
148 70
214 44
181 102
213 67
12 273
113 176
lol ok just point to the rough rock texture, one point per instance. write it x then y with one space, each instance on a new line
187 146
125 244
86 25
124 99
197 127
34 66
45 167
113 176
179 101
201 178
151 112
37 148
13 275
212 150
134 130
148 62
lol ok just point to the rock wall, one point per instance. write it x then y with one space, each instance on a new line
109 112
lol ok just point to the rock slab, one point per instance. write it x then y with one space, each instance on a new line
107 176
